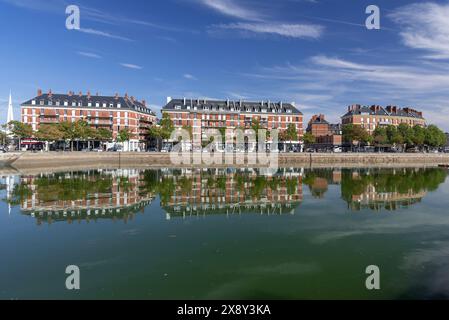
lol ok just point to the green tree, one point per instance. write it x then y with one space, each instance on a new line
419 136
309 138
155 134
435 137
291 134
380 136
68 132
20 130
124 135
355 134
407 134
167 126
49 132
103 134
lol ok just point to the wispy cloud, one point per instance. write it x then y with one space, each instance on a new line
328 84
103 34
131 66
188 76
89 55
231 8
425 26
280 29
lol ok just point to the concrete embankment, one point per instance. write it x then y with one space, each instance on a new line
81 161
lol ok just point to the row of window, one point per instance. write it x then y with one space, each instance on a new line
178 116
89 104
222 109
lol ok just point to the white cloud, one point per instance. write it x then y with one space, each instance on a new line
131 66
189 76
281 29
231 8
329 84
89 55
103 34
425 26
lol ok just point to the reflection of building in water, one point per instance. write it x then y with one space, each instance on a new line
373 199
319 180
84 196
376 188
389 189
8 183
229 191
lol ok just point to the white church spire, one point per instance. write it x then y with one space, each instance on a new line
10 109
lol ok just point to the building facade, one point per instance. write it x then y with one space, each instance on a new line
372 117
328 136
114 113
201 114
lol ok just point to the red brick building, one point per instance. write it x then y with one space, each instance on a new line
202 114
372 117
110 112
327 135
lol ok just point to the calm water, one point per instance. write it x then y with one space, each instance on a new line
233 234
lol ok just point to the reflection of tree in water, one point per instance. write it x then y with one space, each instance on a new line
218 190
64 187
389 188
318 181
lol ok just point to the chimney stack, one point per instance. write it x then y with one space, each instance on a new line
116 96
39 92
70 93
144 102
50 94
80 94
88 94
126 96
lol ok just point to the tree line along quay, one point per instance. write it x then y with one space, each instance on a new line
87 122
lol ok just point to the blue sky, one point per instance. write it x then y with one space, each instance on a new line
317 53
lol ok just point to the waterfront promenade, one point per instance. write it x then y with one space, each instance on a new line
81 160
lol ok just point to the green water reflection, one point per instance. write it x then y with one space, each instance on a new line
226 233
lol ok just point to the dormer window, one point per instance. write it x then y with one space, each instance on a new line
104 104
177 107
289 111
111 105
80 104
97 104
42 102
73 104
119 105
50 103
58 103
33 102
66 103
89 104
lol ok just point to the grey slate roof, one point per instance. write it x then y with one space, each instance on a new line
50 100
228 106
381 111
